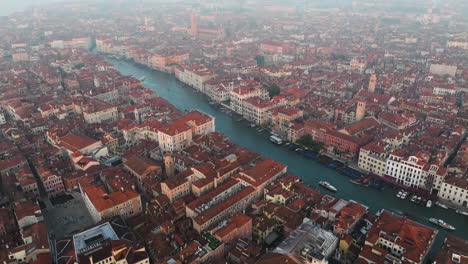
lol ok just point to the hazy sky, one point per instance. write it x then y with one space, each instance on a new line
9 6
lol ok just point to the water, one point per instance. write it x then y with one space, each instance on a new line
185 98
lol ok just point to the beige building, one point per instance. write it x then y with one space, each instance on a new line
241 94
178 135
102 205
194 76
455 190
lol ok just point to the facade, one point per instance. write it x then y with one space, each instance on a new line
257 110
455 190
414 171
179 134
52 182
102 205
241 94
194 76
443 69
373 157
105 114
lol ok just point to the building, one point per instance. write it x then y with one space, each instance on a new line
239 226
51 181
454 250
242 93
141 167
373 157
195 76
415 170
348 217
111 242
394 238
282 119
220 211
72 143
443 69
100 112
27 181
178 135
307 244
261 174
360 111
35 243
455 190
372 83
256 110
102 205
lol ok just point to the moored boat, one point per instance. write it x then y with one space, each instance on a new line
429 203
276 140
441 223
328 186
441 205
461 212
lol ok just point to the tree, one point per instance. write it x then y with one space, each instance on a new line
273 90
308 142
260 60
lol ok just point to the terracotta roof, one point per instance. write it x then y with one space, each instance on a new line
102 200
74 142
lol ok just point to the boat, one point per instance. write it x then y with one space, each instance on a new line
142 79
441 205
441 223
276 140
461 212
328 186
429 204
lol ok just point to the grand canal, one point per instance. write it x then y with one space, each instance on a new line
185 98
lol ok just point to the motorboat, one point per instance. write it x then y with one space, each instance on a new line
328 186
441 205
442 224
429 204
461 212
276 140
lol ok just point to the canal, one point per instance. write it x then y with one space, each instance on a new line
185 98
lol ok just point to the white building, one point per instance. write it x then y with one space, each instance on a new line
443 69
373 158
93 115
415 170
239 95
194 76
178 135
457 44
455 190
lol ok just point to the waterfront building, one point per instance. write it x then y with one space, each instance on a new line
395 238
454 250
455 191
415 171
